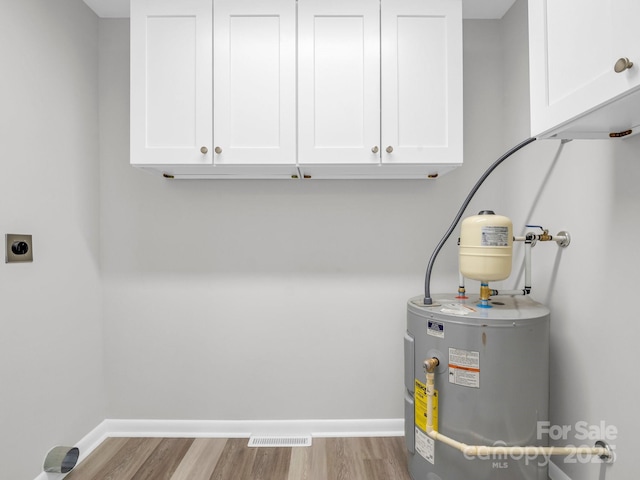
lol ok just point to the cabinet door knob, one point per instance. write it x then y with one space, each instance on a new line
204 150
375 149
622 64
218 150
389 149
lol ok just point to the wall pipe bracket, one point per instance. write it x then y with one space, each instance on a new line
610 456
563 239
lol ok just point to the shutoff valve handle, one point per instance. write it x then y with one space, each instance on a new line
562 238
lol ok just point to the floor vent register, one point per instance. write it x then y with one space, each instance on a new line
275 441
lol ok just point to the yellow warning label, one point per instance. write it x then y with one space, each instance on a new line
420 402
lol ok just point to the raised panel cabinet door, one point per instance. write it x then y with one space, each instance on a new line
254 53
421 81
339 81
171 82
573 48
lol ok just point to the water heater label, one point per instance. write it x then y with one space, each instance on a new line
435 329
493 236
425 446
464 367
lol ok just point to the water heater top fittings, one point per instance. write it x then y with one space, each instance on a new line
486 247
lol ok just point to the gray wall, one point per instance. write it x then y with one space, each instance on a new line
271 299
51 376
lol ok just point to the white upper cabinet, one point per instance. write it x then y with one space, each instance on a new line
380 85
254 88
581 84
339 81
296 88
171 82
421 82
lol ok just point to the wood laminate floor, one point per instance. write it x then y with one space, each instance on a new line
378 458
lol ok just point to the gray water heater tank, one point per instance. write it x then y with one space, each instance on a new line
492 385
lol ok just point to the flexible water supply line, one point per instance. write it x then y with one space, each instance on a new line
427 281
482 450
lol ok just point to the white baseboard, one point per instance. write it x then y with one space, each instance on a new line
556 474
245 428
232 429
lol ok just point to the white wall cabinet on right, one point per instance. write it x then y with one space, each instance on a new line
582 85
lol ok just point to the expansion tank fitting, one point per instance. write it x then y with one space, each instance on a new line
485 295
485 291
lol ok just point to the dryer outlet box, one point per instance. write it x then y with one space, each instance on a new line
19 248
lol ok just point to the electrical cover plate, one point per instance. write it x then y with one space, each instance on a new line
10 256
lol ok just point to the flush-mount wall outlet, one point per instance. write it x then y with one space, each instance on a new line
19 248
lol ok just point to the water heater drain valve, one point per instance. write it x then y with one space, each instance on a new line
430 364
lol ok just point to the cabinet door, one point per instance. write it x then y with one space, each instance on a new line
254 81
422 81
171 82
574 45
339 81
